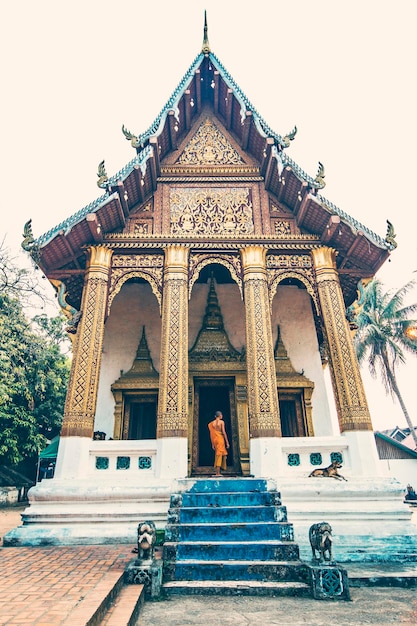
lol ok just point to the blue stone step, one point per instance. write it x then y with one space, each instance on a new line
225 498
233 531
261 531
226 484
236 570
229 551
237 588
231 514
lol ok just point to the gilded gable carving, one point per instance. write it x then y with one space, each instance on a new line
209 147
140 221
211 211
282 228
276 210
141 228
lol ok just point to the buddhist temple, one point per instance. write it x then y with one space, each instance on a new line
211 273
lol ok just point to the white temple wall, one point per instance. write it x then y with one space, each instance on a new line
292 312
233 306
404 470
134 307
196 309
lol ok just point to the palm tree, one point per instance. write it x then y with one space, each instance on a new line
384 333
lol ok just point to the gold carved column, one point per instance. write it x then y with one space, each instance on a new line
173 376
352 407
80 404
264 420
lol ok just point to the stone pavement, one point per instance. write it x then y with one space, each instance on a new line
380 605
53 586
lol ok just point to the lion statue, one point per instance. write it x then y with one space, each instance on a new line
146 540
321 540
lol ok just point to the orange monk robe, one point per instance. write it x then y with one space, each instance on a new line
219 446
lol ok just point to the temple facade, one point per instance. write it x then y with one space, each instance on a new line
211 274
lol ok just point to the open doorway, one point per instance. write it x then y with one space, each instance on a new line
211 395
139 420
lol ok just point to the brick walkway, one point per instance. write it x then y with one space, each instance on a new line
57 585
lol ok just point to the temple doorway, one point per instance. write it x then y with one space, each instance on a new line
142 417
211 395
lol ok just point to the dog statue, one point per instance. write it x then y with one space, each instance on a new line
146 541
321 540
330 472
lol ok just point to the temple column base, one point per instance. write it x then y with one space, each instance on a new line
363 452
172 457
265 457
73 459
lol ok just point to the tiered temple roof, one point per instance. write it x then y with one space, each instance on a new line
207 85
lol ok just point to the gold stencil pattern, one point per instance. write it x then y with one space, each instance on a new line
209 147
282 228
351 401
81 399
199 260
211 211
173 396
262 391
295 266
299 261
129 266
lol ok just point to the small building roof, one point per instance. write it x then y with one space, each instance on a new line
389 448
9 477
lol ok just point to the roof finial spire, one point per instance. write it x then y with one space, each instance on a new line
206 46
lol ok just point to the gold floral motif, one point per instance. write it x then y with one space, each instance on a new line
208 211
138 260
288 261
128 266
306 278
209 146
231 262
121 276
141 228
282 228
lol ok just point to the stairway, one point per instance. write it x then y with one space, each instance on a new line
231 536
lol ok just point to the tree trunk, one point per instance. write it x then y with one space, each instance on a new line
396 390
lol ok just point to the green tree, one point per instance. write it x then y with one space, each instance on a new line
33 379
18 282
385 333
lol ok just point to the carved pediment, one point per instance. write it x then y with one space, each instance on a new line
140 221
209 146
211 211
279 211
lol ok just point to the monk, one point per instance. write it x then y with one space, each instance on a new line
219 442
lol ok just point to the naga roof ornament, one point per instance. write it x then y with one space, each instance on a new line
103 179
320 176
130 137
390 236
285 142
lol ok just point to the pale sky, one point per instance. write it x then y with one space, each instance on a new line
342 72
